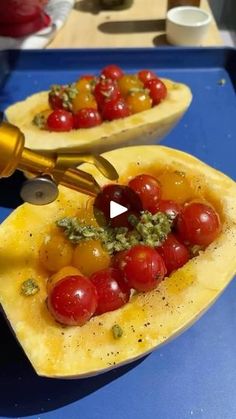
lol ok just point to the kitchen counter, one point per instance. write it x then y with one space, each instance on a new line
141 25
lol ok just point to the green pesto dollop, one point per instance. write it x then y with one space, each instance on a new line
150 230
29 287
117 331
40 120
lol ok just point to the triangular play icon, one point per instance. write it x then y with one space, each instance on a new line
116 209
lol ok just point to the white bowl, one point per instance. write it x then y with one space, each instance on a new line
186 25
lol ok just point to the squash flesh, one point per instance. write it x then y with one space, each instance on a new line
147 126
149 319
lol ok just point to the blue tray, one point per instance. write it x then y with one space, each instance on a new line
195 375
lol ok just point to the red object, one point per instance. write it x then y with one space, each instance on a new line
198 224
143 268
174 253
112 71
87 118
115 109
122 195
20 18
112 291
171 208
73 300
145 75
157 90
106 90
148 188
60 121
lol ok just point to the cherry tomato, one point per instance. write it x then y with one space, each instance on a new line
122 195
175 187
118 259
73 300
106 90
143 268
148 188
198 224
89 256
56 98
115 110
112 71
60 120
84 100
145 75
138 101
174 253
169 207
128 82
85 83
55 252
158 90
87 118
55 101
112 291
62 273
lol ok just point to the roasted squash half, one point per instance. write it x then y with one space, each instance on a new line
145 127
149 319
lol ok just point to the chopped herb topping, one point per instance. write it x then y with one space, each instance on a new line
117 331
66 92
29 287
40 120
150 230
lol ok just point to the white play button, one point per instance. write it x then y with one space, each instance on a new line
116 209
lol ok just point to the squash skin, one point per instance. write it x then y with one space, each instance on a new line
149 319
145 127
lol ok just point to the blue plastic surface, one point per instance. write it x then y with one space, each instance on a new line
195 375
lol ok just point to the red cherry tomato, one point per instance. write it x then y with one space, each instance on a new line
145 75
87 118
143 268
60 120
55 102
118 259
148 188
157 89
174 253
106 90
73 300
115 110
113 292
122 195
171 208
112 71
198 224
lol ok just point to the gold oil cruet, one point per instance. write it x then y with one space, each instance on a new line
47 171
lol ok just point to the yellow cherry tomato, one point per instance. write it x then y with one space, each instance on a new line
84 100
174 186
62 273
89 256
129 82
55 252
138 101
85 84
